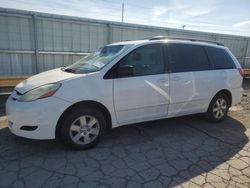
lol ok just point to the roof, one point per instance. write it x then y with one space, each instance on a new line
172 40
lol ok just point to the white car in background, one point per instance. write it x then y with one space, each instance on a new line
125 83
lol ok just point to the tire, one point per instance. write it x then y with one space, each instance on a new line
218 108
82 128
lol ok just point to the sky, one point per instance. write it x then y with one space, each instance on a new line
218 16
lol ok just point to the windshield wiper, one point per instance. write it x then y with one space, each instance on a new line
69 70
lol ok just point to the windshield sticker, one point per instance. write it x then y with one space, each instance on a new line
98 64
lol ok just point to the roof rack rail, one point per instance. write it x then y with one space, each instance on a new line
183 38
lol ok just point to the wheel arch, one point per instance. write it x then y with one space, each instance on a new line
227 93
82 104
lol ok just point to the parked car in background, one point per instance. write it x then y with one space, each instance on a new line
124 83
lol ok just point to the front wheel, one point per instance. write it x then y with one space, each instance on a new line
82 128
218 108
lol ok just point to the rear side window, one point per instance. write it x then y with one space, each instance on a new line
185 58
220 58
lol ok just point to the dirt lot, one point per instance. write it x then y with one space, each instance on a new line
177 152
2 111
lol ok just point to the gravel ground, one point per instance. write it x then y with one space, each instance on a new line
2 111
241 111
177 152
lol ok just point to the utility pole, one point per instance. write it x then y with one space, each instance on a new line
122 12
122 20
183 26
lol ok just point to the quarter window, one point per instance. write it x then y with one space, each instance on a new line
185 58
220 58
145 60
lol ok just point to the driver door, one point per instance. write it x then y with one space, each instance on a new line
143 95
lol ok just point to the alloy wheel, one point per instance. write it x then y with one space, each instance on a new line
220 108
84 129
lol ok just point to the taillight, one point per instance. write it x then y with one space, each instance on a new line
241 71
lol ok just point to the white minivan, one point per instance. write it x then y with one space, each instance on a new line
124 83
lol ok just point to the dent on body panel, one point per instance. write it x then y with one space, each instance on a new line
182 87
189 94
141 92
183 92
190 86
159 90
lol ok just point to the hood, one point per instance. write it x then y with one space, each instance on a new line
51 76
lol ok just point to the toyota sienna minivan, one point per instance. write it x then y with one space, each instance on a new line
124 83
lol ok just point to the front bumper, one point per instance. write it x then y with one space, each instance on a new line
42 114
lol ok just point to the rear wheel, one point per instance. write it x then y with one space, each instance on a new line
218 108
82 128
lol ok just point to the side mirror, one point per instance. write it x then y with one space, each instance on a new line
125 71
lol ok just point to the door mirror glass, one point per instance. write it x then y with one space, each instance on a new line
125 71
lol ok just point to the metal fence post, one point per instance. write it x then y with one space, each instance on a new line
246 62
109 33
35 64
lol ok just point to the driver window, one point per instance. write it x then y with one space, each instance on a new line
145 60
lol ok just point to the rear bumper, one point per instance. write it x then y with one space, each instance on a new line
42 114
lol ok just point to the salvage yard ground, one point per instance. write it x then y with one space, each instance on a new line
184 152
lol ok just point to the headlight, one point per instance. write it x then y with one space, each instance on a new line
39 93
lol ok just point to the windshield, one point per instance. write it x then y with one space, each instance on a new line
96 60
